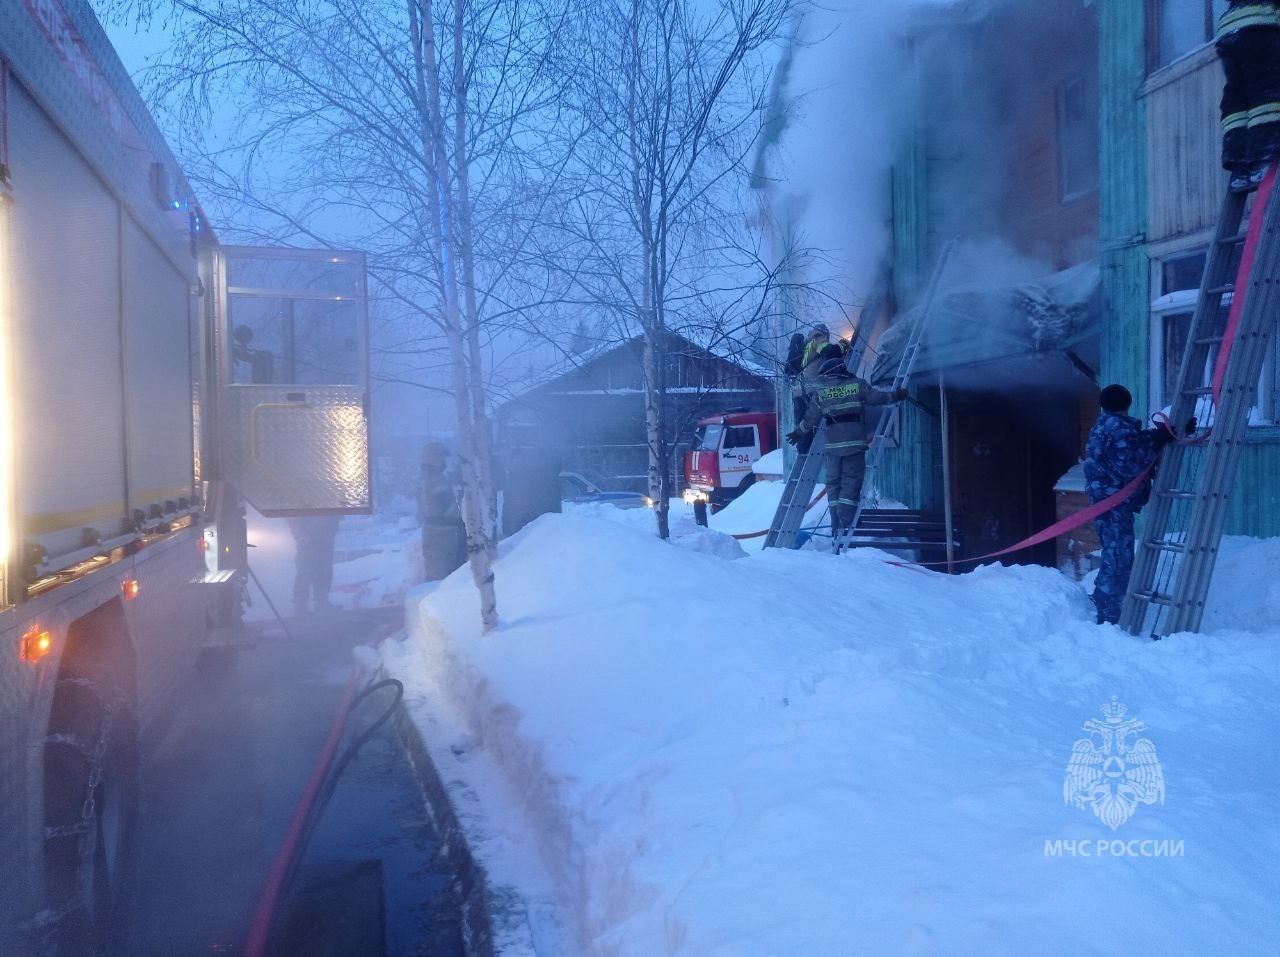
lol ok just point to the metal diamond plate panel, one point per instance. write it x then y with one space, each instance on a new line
299 449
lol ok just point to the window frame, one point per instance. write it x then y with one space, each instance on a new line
1267 390
1155 10
1067 195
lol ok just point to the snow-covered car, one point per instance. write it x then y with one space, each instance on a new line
580 490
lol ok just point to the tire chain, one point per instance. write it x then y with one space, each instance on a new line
48 920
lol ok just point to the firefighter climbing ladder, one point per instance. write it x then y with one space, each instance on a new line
1180 538
797 495
889 421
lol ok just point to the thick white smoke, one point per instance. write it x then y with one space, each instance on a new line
849 103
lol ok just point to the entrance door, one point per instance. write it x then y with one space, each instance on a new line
1004 466
294 379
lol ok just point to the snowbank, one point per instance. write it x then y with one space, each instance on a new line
769 466
802 754
752 512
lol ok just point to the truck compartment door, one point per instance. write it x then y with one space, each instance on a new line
293 388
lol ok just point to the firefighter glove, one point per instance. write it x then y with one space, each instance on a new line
796 436
901 395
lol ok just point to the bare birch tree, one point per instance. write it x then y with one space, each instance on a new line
423 132
670 93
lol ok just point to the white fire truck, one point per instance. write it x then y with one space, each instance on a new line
152 380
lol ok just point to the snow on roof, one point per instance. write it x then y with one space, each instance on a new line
977 323
571 364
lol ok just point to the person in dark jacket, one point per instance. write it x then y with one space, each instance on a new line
1118 450
793 369
819 339
444 537
839 397
314 538
1248 43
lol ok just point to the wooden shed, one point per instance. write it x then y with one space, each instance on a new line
590 414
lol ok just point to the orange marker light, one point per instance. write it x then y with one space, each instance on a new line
130 588
36 643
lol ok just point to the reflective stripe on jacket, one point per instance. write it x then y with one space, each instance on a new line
1242 15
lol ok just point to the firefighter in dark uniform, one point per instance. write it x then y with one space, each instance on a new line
444 537
1117 452
819 338
313 539
839 397
1248 42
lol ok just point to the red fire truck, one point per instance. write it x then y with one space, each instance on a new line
717 469
151 381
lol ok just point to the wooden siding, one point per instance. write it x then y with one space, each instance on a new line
1255 502
592 417
1123 195
912 473
1185 178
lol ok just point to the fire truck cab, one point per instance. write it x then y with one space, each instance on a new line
717 469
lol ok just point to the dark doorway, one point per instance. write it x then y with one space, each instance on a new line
1007 452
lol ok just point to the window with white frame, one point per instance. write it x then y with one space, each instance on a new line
1181 26
1175 289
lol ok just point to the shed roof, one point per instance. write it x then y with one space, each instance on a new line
975 325
576 364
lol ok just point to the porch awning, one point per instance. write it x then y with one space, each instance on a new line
1058 318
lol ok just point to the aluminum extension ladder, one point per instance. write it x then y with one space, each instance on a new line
889 421
1179 541
784 531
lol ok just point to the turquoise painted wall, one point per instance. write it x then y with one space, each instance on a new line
910 473
1255 501
1122 194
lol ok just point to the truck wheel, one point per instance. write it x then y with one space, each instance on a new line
91 818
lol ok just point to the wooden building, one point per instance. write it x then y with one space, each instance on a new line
590 417
1161 188
1002 156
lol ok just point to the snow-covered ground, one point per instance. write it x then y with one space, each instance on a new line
672 748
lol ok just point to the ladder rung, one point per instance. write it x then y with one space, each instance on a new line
1221 290
1155 597
1209 341
1174 547
1199 390
1237 238
1177 493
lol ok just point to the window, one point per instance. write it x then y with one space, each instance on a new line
296 318
294 341
1077 141
1177 288
740 437
1181 26
708 438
